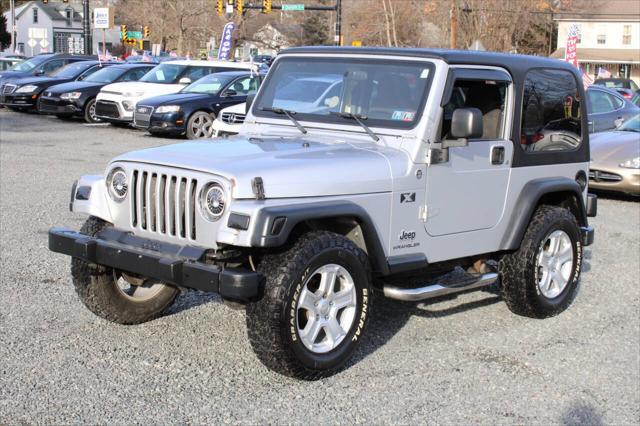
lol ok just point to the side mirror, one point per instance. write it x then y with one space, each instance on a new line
228 93
249 102
184 80
466 124
38 73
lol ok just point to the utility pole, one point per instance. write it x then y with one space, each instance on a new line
86 27
338 38
453 15
13 25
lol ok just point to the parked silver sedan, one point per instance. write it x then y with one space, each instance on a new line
615 159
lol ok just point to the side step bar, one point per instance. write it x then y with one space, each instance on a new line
435 290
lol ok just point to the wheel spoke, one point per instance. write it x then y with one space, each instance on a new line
344 298
334 331
328 280
311 331
554 244
545 281
307 300
565 254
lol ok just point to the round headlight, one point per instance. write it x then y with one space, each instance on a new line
117 184
213 201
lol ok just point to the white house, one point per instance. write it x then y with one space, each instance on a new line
54 27
609 38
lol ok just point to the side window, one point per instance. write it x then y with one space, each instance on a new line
52 65
90 71
599 102
196 73
134 75
244 86
617 102
488 96
550 111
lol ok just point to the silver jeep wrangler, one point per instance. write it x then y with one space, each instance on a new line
404 173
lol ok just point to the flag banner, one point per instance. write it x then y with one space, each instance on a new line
586 80
226 41
603 73
571 51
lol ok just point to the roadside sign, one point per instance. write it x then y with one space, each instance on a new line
229 8
134 34
32 42
37 32
356 43
103 17
292 7
44 42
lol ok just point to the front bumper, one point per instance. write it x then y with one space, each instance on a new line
19 100
53 105
165 123
169 263
616 179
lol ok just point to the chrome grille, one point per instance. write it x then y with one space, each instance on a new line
232 118
8 89
142 116
600 176
164 203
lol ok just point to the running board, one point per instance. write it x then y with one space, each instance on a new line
435 290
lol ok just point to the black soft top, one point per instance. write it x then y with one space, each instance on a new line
517 65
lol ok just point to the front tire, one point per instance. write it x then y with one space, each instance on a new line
541 278
90 112
315 307
199 125
106 293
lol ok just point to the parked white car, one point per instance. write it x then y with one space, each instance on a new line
116 102
229 120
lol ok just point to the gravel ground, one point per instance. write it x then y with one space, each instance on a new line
466 360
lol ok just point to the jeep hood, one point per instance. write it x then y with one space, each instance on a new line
289 166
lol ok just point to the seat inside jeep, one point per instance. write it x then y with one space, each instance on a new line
487 96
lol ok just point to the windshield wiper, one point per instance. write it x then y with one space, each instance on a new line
289 115
358 119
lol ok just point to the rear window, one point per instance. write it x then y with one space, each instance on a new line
550 111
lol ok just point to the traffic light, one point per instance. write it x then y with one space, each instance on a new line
266 6
146 31
220 7
123 32
240 6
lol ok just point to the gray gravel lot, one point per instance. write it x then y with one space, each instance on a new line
467 360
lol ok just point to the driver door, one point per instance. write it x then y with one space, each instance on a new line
467 191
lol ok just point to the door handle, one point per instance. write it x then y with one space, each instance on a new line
497 155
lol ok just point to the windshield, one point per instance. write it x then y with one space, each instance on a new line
210 84
632 125
386 93
71 70
27 65
105 75
164 73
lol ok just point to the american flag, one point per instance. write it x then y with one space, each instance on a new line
586 80
571 51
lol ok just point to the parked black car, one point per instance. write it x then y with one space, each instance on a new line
607 109
78 98
625 86
192 110
43 64
22 94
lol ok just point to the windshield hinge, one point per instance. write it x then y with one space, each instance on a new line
258 188
423 212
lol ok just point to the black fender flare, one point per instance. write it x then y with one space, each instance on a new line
273 226
529 199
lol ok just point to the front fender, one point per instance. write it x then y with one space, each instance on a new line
89 196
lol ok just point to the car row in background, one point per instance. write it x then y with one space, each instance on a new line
24 93
116 102
615 159
78 98
625 86
192 110
41 65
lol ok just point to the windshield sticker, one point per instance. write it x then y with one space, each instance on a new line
159 75
403 115
425 73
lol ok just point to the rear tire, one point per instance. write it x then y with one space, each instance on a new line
99 288
541 278
90 112
315 307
